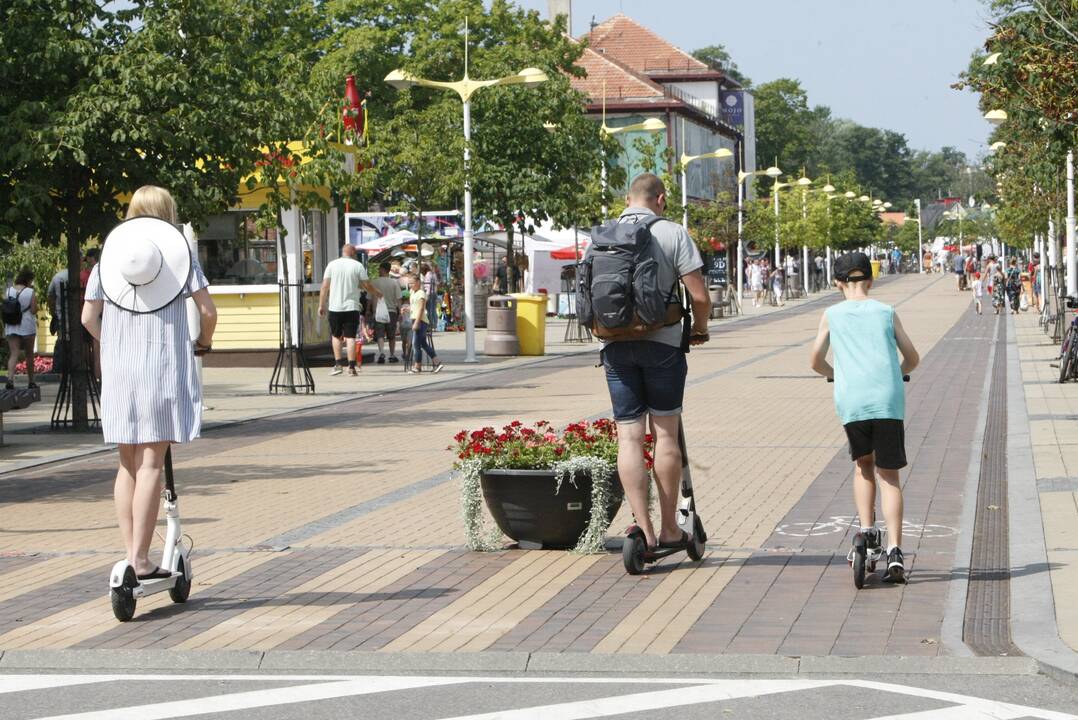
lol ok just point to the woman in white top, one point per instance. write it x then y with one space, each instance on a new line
21 335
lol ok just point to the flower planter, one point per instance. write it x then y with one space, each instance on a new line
526 509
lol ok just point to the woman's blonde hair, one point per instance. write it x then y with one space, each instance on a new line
152 201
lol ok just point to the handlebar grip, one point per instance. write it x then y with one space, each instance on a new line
905 378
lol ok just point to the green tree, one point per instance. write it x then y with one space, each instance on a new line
717 57
101 98
785 125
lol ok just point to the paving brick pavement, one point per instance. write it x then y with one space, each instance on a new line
1053 409
360 495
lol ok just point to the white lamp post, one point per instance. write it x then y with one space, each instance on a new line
465 88
920 240
742 176
685 160
1072 259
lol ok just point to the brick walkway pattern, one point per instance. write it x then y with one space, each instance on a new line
338 527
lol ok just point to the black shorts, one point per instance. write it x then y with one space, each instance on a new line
344 324
886 438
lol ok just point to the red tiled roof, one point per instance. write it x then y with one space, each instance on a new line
621 83
641 50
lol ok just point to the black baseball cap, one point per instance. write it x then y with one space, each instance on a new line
852 267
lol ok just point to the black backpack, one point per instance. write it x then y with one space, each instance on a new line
11 309
618 295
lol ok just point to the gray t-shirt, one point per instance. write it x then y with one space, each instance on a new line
684 258
391 291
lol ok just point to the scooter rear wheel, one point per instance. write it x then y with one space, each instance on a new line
859 568
695 550
632 553
182 589
123 598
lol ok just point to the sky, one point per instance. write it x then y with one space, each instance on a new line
881 63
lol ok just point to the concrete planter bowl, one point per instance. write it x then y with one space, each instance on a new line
525 508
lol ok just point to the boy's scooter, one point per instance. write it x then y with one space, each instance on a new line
126 588
866 551
634 550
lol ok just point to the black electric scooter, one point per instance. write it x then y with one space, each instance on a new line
634 549
865 555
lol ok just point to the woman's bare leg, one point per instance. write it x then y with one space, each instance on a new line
123 493
150 459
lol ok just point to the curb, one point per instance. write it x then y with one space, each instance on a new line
1033 617
279 661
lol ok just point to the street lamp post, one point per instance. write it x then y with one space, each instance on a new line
465 88
742 176
648 125
1072 258
920 241
685 160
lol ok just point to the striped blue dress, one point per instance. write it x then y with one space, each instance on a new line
149 386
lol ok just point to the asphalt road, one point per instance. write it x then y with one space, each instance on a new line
429 697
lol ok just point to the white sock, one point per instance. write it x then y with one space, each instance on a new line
890 548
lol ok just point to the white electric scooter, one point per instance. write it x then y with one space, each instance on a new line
126 588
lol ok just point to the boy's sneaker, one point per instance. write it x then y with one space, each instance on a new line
394 358
337 370
896 569
381 359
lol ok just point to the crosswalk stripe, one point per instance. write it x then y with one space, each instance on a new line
261 698
658 700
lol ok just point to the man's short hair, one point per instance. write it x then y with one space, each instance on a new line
92 253
646 186
385 267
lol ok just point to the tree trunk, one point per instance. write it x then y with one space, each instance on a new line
77 370
510 261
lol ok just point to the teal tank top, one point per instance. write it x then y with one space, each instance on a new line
868 377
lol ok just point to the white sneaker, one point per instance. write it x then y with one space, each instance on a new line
337 370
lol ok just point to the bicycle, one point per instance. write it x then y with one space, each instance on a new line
1068 351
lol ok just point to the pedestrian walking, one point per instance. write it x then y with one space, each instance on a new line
1014 285
999 291
340 298
960 270
150 392
866 337
646 369
420 328
978 291
387 311
430 287
777 283
756 282
20 326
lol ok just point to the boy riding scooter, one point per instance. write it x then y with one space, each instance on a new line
866 337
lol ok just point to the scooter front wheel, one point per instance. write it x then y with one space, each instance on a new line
632 552
695 550
182 589
123 597
859 568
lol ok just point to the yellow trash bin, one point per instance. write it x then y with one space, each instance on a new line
531 323
875 268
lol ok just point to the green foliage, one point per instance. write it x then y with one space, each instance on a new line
784 126
1034 80
719 59
44 260
904 236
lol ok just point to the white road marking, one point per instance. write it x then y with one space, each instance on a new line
261 698
658 700
986 708
324 687
19 683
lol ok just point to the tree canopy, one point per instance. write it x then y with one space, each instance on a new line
719 59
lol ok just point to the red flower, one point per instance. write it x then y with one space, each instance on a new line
459 437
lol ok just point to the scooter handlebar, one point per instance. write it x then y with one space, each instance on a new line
905 378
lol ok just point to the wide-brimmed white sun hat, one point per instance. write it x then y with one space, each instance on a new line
145 264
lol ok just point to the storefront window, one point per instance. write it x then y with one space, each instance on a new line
315 255
233 252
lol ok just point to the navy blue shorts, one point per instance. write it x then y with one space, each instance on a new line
644 377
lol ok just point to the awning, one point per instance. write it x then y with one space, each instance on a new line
385 242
